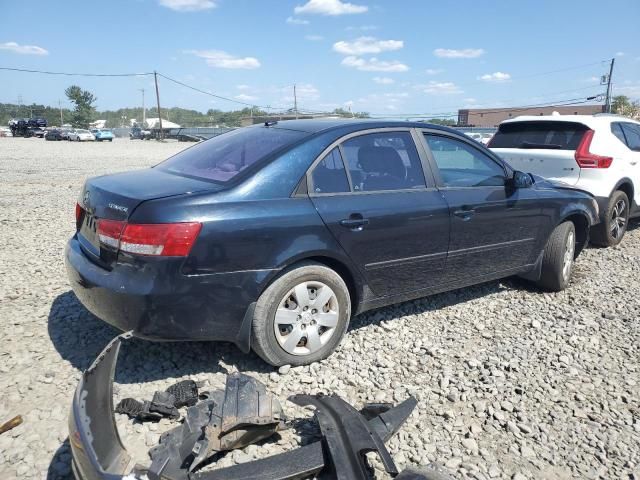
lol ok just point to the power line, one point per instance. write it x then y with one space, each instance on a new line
78 74
220 96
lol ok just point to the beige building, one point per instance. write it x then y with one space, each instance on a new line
492 117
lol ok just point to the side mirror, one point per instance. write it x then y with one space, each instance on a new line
521 180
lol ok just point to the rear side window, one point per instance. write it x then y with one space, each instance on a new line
329 176
383 161
632 134
554 135
223 157
616 129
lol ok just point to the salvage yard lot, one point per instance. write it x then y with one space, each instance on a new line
511 382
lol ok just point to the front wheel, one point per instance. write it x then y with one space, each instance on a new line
558 258
614 224
301 317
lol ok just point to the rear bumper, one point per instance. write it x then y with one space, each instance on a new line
157 302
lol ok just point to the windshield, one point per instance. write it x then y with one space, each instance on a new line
223 157
554 135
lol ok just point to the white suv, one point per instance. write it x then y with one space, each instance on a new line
596 153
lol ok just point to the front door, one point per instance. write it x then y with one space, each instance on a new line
382 213
494 228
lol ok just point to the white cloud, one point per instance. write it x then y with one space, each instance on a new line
297 21
495 77
243 87
220 59
348 103
244 97
433 71
23 49
314 38
304 92
383 80
364 45
464 53
188 5
620 54
329 7
374 65
440 88
396 95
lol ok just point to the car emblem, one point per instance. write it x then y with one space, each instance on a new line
85 199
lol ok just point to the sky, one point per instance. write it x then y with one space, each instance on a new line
390 58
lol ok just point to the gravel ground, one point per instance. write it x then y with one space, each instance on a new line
512 383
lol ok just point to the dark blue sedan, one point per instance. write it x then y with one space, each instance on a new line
273 236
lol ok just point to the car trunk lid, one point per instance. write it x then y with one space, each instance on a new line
542 147
115 197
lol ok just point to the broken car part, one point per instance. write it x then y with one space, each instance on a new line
13 423
242 414
163 405
98 452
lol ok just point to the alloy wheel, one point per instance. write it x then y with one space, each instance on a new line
618 219
306 318
569 252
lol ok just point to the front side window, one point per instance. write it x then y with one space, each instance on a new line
223 157
383 161
462 165
329 176
632 133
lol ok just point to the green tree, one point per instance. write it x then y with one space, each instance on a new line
84 111
622 105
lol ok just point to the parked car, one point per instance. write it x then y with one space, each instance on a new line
101 134
138 133
81 135
596 153
272 236
54 135
64 133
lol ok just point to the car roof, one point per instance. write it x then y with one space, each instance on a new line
588 120
354 124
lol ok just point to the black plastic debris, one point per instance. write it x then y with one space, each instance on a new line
163 405
242 414
185 393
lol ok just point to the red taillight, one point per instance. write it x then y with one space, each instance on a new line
78 212
164 239
586 159
109 231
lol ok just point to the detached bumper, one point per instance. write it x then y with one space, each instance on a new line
156 301
98 453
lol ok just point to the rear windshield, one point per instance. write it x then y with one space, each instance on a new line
540 134
223 157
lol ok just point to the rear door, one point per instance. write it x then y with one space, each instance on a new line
384 213
545 148
494 228
632 137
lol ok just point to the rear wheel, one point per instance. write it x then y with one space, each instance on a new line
558 258
614 224
301 317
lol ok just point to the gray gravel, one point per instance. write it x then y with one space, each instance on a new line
512 383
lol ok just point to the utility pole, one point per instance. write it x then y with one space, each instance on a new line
144 113
295 101
607 106
60 107
155 76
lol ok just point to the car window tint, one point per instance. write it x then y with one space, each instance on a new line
616 129
462 165
632 134
383 161
552 134
223 157
329 176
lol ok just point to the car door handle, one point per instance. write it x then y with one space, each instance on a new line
354 223
464 213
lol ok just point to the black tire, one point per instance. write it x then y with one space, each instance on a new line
264 341
554 277
611 230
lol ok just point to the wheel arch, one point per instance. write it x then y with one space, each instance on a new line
625 185
348 274
582 225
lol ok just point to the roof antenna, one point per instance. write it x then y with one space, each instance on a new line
270 123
